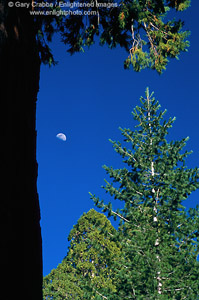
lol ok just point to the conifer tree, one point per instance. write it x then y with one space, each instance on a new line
86 270
62 283
25 35
159 236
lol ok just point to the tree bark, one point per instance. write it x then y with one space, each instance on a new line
21 245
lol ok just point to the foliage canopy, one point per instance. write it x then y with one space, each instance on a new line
146 29
86 270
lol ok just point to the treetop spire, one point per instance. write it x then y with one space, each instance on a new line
159 236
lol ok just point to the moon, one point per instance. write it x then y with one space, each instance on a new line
61 136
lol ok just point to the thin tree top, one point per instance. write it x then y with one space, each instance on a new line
144 28
155 167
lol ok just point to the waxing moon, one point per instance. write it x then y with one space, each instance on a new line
61 136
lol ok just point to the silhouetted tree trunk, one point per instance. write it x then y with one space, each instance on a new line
20 236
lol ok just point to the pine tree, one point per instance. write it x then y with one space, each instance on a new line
24 45
159 236
86 270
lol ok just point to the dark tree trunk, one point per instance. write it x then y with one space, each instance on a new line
20 233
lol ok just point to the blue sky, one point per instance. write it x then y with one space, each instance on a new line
87 97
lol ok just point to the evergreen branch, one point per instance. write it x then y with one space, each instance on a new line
176 289
129 187
139 193
120 216
104 297
128 154
150 40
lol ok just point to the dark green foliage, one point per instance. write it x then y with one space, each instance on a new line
142 28
62 283
45 28
86 270
154 253
159 237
